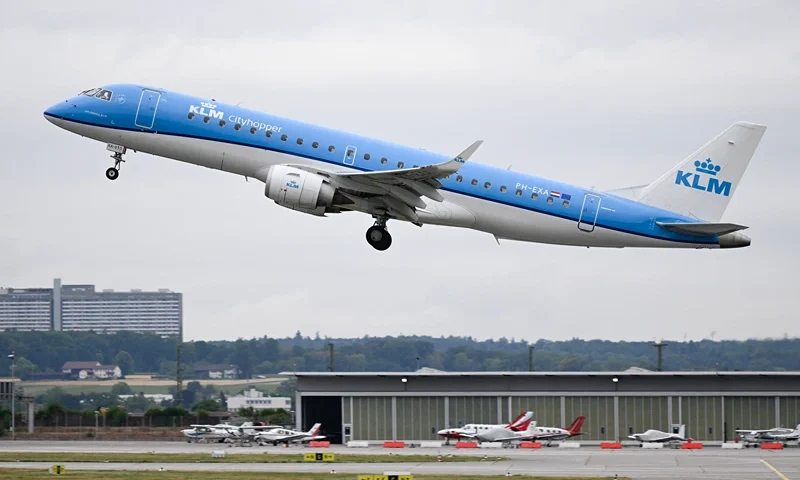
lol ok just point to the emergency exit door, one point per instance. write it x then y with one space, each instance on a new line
148 105
589 211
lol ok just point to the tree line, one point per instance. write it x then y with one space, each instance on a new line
42 352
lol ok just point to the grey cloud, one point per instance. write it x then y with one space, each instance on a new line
605 94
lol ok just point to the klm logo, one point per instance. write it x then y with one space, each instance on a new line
292 184
699 181
206 110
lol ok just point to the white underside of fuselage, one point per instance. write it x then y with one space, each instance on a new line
502 221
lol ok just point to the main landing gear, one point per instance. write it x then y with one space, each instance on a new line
113 172
378 236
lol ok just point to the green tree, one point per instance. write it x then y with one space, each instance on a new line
138 404
125 362
121 388
24 367
207 405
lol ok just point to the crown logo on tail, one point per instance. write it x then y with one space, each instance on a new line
707 167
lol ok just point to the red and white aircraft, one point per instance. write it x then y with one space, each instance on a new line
533 433
471 430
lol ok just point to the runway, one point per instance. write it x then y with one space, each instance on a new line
706 464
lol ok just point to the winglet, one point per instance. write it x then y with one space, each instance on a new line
464 156
452 166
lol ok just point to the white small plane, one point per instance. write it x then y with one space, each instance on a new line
222 432
533 432
470 430
778 434
284 435
657 436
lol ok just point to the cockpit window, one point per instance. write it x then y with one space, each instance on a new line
104 95
91 92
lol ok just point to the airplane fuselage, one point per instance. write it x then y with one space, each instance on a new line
504 203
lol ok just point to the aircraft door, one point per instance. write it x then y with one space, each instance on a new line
589 211
148 105
350 155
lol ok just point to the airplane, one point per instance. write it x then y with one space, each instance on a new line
284 435
470 430
779 434
657 436
222 432
533 433
320 171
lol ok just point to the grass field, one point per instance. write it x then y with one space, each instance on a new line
15 474
206 458
146 385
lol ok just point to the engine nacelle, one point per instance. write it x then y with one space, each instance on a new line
299 190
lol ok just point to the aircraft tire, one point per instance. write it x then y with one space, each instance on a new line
379 238
112 173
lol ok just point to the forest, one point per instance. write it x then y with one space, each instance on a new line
46 352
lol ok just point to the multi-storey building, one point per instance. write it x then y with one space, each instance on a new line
82 308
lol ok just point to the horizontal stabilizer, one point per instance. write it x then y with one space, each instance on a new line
701 229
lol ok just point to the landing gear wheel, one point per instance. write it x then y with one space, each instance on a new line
379 238
112 173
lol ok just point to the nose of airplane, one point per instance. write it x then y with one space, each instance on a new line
59 110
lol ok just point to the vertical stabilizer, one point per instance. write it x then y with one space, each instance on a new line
702 185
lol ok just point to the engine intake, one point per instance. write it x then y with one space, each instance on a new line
299 190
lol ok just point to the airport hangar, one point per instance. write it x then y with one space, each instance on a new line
411 406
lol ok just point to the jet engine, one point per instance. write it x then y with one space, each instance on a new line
299 190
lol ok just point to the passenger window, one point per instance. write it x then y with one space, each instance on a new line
315 145
366 156
206 119
549 199
535 196
518 193
565 203
253 130
191 115
459 179
350 153
503 189
487 185
474 181
222 123
284 137
331 148
299 141
269 133
400 164
384 160
237 126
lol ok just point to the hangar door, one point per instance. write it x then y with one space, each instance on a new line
324 410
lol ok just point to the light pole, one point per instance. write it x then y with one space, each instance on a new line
13 400
405 383
616 408
96 423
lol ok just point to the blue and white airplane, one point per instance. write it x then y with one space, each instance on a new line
321 171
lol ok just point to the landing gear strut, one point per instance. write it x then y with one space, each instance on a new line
113 172
378 236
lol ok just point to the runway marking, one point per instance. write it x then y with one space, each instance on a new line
777 472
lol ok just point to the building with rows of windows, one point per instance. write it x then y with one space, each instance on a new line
83 308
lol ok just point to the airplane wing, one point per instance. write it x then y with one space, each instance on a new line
399 191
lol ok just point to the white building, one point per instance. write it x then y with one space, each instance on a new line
256 399
84 370
156 397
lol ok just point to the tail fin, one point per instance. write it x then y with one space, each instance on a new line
702 185
575 427
682 432
314 430
520 423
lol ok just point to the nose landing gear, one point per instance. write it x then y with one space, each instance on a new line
378 236
113 172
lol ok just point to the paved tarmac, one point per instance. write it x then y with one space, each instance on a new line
706 464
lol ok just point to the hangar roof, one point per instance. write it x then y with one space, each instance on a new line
543 374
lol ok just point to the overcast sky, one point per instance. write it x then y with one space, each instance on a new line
603 94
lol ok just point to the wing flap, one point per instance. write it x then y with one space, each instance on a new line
701 229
